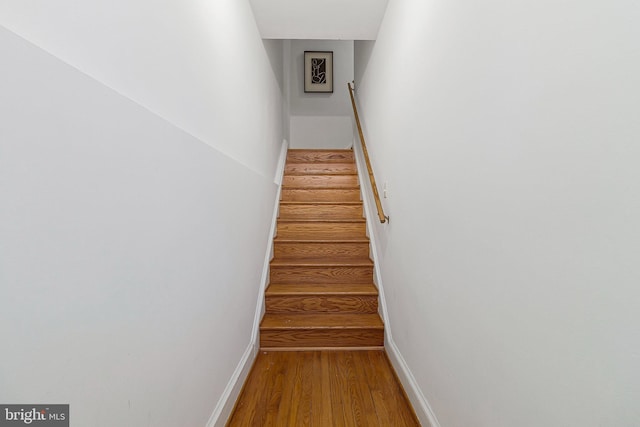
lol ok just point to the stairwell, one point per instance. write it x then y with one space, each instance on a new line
321 293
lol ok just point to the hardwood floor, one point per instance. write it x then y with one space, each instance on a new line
321 297
322 388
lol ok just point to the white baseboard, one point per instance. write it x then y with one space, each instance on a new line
419 402
232 391
281 161
264 280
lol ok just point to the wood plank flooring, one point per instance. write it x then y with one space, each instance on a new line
322 388
322 361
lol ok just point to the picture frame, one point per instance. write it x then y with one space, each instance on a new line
318 71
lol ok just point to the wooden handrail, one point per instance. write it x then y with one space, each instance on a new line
381 215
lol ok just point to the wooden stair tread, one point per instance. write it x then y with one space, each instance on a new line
304 238
309 240
355 249
328 300
325 189
321 321
322 173
321 237
304 169
319 156
320 221
276 289
320 150
316 212
321 203
322 190
327 348
329 229
320 194
321 262
320 180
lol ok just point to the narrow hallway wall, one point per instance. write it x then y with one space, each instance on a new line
507 134
135 207
194 63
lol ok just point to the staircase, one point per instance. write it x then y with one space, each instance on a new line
321 293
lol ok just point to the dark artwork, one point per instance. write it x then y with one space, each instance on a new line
318 71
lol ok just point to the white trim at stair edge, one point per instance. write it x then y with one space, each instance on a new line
365 186
419 402
231 392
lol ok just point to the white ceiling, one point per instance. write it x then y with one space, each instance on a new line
319 19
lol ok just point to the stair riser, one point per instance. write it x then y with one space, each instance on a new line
321 212
320 157
322 338
316 229
289 274
321 181
319 168
322 304
319 195
315 250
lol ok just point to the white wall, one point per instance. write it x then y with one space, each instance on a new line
320 120
508 134
192 62
131 243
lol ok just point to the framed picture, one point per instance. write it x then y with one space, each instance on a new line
318 72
